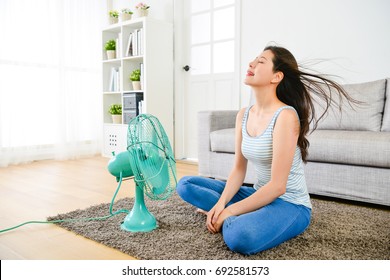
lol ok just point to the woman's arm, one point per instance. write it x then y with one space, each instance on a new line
235 179
285 137
237 174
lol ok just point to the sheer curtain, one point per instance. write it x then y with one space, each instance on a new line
50 79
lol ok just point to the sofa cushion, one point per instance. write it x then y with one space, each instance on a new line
367 116
365 148
222 140
386 114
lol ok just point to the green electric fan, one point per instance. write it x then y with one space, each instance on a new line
149 159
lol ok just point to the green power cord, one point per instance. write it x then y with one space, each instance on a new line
76 220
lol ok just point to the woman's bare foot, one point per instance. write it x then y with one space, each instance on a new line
201 211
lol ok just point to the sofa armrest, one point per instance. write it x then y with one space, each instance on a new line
209 121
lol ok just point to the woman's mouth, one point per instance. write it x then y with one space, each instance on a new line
249 73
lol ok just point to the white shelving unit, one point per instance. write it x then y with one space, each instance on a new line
156 48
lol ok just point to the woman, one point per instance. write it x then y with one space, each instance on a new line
271 134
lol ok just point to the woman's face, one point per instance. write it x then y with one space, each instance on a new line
260 71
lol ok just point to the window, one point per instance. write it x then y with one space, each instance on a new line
213 36
49 67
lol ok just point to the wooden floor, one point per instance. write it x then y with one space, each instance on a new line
46 188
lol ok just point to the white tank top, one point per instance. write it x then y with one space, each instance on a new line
258 150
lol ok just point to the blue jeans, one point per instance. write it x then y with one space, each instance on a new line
252 232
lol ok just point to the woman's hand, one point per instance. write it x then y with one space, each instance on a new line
216 216
212 216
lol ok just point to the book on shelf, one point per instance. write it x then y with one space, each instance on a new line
114 79
118 46
111 84
141 107
141 67
129 48
135 43
140 41
117 73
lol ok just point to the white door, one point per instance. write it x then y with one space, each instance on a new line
207 66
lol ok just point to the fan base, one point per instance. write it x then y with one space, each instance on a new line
139 220
138 228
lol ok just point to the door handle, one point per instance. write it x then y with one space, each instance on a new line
186 68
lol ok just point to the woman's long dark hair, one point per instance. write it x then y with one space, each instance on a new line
296 89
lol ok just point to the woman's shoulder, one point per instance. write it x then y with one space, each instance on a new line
286 117
288 112
240 116
241 113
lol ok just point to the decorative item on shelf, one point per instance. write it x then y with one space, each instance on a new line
142 9
135 78
116 113
126 14
110 48
113 16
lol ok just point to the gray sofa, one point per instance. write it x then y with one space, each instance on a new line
349 154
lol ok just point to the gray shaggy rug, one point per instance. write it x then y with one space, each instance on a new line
338 231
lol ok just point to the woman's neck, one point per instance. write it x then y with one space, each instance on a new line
266 99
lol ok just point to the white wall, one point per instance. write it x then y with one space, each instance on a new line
352 36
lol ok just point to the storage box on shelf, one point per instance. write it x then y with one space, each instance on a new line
144 44
132 105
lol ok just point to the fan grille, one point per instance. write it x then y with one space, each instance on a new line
151 157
